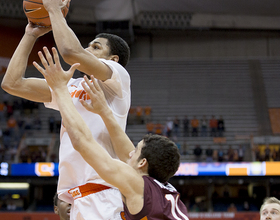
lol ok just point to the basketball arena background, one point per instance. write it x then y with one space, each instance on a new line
192 57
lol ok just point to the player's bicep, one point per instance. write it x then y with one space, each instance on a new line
90 65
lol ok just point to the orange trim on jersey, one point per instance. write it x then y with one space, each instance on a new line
87 189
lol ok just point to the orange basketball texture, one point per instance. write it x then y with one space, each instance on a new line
37 14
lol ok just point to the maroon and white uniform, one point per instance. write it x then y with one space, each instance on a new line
161 201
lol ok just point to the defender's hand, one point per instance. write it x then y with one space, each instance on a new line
54 74
98 103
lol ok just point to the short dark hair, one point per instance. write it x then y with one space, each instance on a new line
162 155
55 199
117 46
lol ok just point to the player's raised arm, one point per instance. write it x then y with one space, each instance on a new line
14 82
121 142
70 47
111 170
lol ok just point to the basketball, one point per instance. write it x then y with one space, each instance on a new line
37 14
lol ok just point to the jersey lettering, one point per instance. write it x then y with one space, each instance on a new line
81 94
75 193
77 93
174 206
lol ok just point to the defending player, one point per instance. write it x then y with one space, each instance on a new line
270 209
142 180
61 208
105 57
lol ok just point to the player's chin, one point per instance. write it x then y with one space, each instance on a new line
68 214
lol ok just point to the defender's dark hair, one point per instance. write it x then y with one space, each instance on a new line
162 155
117 46
55 198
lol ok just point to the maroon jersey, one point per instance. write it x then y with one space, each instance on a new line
161 201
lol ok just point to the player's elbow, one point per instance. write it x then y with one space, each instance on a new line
4 86
10 83
79 142
69 55
7 86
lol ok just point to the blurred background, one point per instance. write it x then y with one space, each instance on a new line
203 72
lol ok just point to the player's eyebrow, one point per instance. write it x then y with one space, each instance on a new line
273 209
136 148
94 42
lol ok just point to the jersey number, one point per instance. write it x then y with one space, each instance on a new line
174 206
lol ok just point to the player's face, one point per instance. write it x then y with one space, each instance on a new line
270 212
99 48
63 209
134 155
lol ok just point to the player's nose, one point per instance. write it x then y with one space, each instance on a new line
268 217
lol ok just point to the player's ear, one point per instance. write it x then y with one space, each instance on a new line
115 58
143 165
143 162
56 210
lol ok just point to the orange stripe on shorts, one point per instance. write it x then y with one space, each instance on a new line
87 189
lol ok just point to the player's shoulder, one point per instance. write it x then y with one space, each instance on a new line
110 62
113 64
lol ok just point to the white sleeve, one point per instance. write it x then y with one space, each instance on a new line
53 103
115 83
117 88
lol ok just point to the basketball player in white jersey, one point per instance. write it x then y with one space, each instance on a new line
105 58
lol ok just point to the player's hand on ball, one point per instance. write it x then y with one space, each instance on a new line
35 30
52 4
37 13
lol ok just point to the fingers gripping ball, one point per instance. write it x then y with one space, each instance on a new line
37 14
